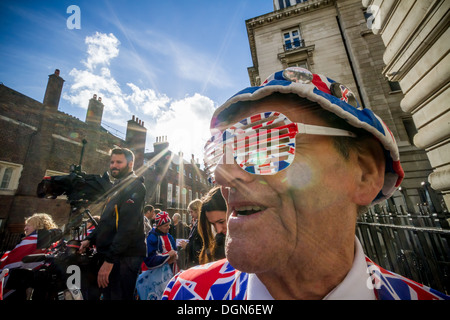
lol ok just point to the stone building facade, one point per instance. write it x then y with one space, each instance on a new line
331 37
417 40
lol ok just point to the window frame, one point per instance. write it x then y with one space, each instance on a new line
13 181
292 38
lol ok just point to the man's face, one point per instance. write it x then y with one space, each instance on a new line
149 214
272 217
119 166
164 228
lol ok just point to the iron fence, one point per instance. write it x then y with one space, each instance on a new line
413 245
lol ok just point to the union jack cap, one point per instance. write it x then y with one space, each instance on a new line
162 218
336 98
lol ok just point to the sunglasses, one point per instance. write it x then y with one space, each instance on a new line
262 144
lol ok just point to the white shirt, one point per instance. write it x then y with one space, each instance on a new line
353 287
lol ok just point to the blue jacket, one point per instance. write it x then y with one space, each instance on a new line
158 247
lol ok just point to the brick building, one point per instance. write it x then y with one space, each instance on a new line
171 181
39 140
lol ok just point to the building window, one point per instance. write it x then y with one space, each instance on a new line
177 196
410 128
7 173
158 193
292 39
368 15
169 195
281 4
395 86
284 3
301 64
9 177
183 198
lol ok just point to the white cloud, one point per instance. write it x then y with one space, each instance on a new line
102 48
147 101
86 83
184 121
186 124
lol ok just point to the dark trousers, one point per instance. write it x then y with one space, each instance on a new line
122 279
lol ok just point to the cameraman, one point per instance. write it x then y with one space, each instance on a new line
119 236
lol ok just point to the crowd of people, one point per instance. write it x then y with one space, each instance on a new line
130 239
181 246
296 160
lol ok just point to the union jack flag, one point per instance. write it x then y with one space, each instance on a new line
162 218
213 281
13 259
391 286
220 281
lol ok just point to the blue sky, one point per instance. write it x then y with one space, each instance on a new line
169 62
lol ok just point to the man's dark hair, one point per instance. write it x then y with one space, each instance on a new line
148 207
129 155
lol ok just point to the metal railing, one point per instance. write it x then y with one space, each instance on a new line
413 245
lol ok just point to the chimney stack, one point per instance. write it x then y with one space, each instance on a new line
135 140
95 111
161 144
53 92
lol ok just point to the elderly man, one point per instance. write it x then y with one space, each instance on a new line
297 159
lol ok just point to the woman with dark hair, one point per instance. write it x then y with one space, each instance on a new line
212 226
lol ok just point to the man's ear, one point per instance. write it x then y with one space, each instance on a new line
372 164
130 165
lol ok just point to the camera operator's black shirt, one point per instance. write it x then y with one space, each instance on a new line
120 232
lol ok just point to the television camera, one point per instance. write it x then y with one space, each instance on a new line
81 190
49 281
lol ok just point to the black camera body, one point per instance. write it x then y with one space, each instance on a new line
77 185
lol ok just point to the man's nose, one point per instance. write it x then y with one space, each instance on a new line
226 173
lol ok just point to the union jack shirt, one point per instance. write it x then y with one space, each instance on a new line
220 281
